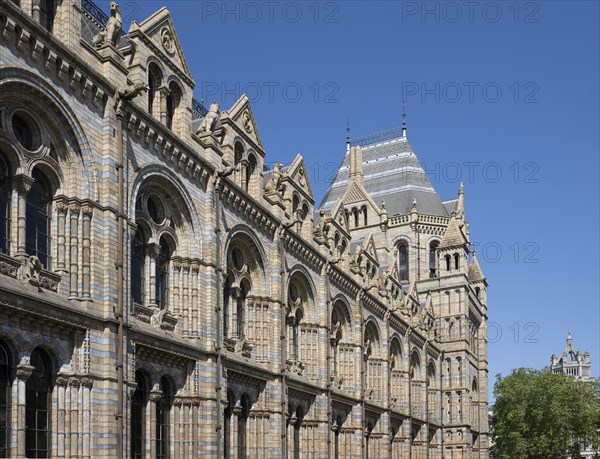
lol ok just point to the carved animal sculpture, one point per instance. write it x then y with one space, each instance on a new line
114 27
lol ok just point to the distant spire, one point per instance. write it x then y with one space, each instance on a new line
347 134
404 119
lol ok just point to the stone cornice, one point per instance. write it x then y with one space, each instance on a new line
237 200
303 250
171 149
62 62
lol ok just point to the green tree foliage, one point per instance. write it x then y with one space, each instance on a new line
541 415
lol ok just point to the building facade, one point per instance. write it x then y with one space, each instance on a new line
164 295
572 362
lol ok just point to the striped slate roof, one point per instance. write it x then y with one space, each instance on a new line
392 172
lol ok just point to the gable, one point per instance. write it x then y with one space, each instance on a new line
241 114
160 30
296 172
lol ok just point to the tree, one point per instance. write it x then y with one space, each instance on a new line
541 415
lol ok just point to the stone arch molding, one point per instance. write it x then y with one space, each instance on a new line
71 143
156 173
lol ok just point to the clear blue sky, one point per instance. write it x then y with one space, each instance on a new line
492 88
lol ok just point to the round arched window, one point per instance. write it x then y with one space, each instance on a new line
25 132
237 258
155 209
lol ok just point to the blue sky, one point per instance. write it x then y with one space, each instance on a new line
501 95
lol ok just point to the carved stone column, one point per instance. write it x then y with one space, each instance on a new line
87 249
86 388
74 384
23 186
61 211
152 252
74 210
163 92
195 306
186 298
60 386
176 269
155 396
23 374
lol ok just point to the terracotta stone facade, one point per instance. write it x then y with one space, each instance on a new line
163 294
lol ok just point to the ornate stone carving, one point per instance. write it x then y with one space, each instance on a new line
295 367
274 183
207 125
33 269
24 371
168 43
247 122
113 30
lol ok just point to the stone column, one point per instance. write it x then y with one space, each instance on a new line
74 384
86 387
74 256
176 276
152 252
23 374
61 210
195 306
60 385
186 298
86 250
155 397
162 94
23 185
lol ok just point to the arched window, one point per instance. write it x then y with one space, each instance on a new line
364 209
37 240
238 153
403 261
335 338
240 310
477 291
162 274
154 82
250 169
456 261
295 203
295 299
4 398
433 259
355 213
5 195
47 13
173 101
37 406
336 444
138 256
226 306
242 425
138 412
448 258
163 410
227 415
296 440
